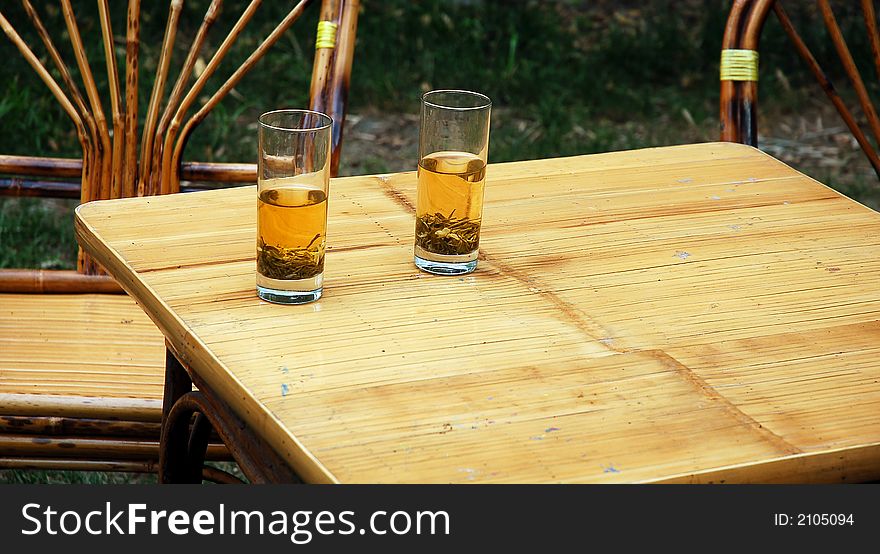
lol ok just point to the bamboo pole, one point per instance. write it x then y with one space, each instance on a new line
72 167
102 150
58 94
147 466
749 89
66 77
174 126
850 66
28 446
337 93
84 263
18 186
77 426
827 87
134 408
873 34
730 105
156 96
15 186
115 103
43 281
36 165
173 183
132 40
177 92
330 11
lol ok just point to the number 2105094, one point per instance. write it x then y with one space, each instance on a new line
812 519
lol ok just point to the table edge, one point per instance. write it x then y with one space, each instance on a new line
304 463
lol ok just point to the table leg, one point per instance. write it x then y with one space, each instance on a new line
182 450
173 443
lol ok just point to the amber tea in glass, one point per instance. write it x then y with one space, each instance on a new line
292 186
453 147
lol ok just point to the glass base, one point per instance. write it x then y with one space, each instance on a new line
445 268
277 296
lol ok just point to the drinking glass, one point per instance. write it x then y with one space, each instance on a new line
293 177
453 150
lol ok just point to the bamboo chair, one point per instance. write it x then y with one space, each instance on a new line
739 70
81 368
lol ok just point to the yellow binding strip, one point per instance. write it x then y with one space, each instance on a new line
739 65
326 35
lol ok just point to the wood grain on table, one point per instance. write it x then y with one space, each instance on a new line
699 313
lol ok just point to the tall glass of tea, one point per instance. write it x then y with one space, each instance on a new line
293 177
453 150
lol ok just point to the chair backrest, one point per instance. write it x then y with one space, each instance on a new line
739 70
114 163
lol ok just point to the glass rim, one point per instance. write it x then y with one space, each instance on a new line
327 118
487 101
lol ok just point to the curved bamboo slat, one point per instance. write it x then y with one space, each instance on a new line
177 92
113 167
90 165
115 100
165 171
66 77
59 95
233 80
156 97
103 159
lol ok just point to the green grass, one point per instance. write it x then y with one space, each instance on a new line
566 78
36 233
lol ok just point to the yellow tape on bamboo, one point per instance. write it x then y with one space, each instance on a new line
739 65
326 35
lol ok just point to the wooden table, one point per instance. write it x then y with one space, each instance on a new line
699 313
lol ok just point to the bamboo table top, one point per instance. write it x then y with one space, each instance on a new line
699 313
